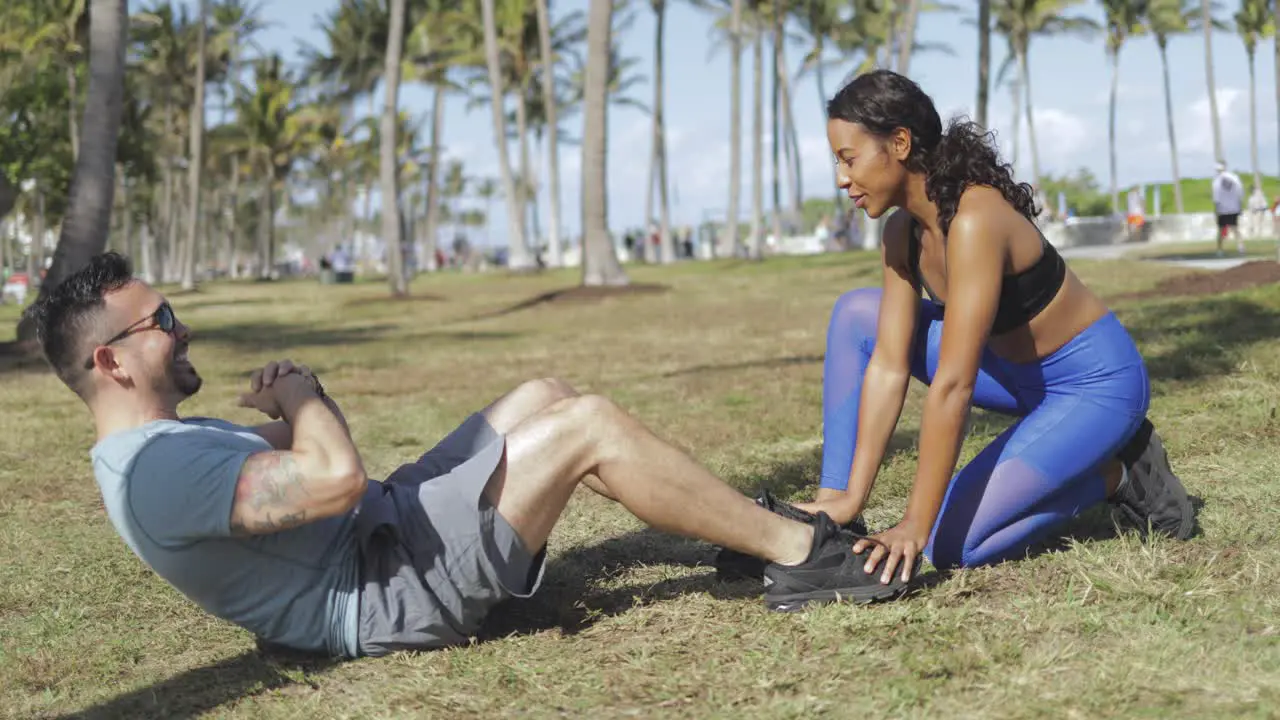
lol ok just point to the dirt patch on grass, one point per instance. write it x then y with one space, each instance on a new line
1250 274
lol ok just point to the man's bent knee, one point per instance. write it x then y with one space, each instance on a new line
592 420
548 389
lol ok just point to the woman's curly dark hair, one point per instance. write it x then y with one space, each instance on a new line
883 101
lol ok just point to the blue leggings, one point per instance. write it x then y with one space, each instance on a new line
1077 407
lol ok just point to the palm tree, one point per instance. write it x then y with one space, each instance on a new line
600 264
658 151
51 31
984 60
518 257
757 137
1021 20
1166 18
735 125
238 21
855 41
88 219
1253 21
549 102
272 131
1207 24
906 40
196 162
1124 19
389 163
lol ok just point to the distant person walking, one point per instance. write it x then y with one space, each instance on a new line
1228 199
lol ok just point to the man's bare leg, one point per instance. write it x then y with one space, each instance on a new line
530 398
553 450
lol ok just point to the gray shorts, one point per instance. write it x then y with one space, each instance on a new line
435 555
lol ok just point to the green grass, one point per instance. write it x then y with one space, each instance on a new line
632 623
1265 249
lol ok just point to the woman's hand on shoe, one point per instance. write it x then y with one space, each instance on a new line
899 545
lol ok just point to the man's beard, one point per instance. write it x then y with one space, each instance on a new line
182 379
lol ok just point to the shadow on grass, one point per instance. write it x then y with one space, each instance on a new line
21 358
200 690
1204 337
279 336
196 301
577 294
748 365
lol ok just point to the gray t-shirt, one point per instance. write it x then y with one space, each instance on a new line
168 487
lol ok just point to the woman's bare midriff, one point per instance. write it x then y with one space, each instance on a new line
1073 309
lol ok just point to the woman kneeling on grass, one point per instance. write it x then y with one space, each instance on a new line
1007 327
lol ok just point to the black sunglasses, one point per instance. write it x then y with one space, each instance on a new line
162 319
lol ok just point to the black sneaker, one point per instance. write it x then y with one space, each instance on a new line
1153 497
732 565
832 573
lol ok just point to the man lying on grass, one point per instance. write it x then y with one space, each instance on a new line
277 529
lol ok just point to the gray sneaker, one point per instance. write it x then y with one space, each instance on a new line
1153 499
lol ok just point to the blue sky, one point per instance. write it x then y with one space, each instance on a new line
1070 84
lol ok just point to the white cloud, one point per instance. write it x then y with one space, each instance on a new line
1233 111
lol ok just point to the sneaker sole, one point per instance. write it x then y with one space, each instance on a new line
795 602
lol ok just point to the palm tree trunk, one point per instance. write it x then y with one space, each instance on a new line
84 228
666 248
556 253
907 38
1031 121
196 163
1173 138
757 147
600 264
838 197
72 92
267 231
126 214
792 141
526 189
517 252
433 171
735 126
984 60
1206 19
167 193
1276 24
1111 128
650 175
233 232
388 162
1253 121
35 253
146 252
1016 90
774 127
367 214
890 38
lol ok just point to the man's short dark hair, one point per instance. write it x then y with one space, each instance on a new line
65 317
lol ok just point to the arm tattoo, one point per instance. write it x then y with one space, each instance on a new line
268 492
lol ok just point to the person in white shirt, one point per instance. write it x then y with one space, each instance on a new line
1228 199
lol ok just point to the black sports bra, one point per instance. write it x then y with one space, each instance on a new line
1022 295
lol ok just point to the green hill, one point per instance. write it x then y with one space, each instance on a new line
1197 196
